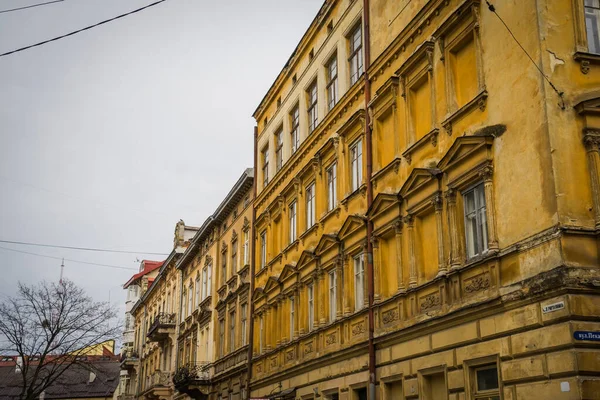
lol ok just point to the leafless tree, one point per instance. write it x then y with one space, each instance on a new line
51 327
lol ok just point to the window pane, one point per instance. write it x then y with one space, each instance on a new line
487 379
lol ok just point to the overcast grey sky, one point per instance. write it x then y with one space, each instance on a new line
108 137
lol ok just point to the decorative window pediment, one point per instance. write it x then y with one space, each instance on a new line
306 258
272 284
417 180
288 272
382 203
353 126
327 241
352 224
385 98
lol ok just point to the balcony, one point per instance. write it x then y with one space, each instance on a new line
162 326
126 397
158 385
193 379
129 359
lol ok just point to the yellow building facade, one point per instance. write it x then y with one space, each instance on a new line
428 205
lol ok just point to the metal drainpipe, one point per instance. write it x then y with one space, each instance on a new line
252 266
368 139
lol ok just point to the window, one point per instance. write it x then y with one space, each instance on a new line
592 25
332 296
246 246
332 85
295 133
356 56
190 299
265 168
209 272
234 259
279 149
311 307
260 336
292 222
331 187
232 331
278 102
204 282
183 308
485 385
224 268
356 164
312 107
310 205
292 316
244 320
221 337
263 249
359 282
197 290
475 221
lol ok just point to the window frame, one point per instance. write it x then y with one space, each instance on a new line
312 109
234 257
293 221
332 89
279 149
310 205
596 42
265 165
246 247
332 295
295 128
331 186
232 324
222 337
244 323
355 54
223 267
263 249
292 316
310 298
356 164
359 276
480 241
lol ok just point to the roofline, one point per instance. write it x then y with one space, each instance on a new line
292 56
246 178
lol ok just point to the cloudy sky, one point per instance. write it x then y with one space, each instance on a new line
109 137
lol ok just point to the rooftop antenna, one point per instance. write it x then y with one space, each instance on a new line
62 268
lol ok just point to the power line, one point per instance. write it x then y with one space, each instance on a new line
81 30
558 92
31 6
68 259
82 248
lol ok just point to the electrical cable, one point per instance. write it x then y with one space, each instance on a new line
68 259
558 92
82 248
30 6
82 29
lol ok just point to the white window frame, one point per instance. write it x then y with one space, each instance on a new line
312 107
246 247
332 295
234 257
310 294
332 82
279 149
592 25
476 237
198 298
190 299
295 128
292 316
265 166
359 282
261 322
244 322
332 186
232 331
356 170
356 59
263 249
221 337
310 206
293 208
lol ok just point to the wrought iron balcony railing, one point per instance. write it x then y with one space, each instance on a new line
162 321
192 374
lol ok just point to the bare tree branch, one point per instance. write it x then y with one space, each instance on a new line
50 327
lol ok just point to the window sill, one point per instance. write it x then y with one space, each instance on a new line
585 60
290 246
479 101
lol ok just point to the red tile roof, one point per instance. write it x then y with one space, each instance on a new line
149 266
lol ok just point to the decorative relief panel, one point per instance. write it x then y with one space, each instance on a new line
290 355
430 301
477 283
331 338
389 316
308 347
358 328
